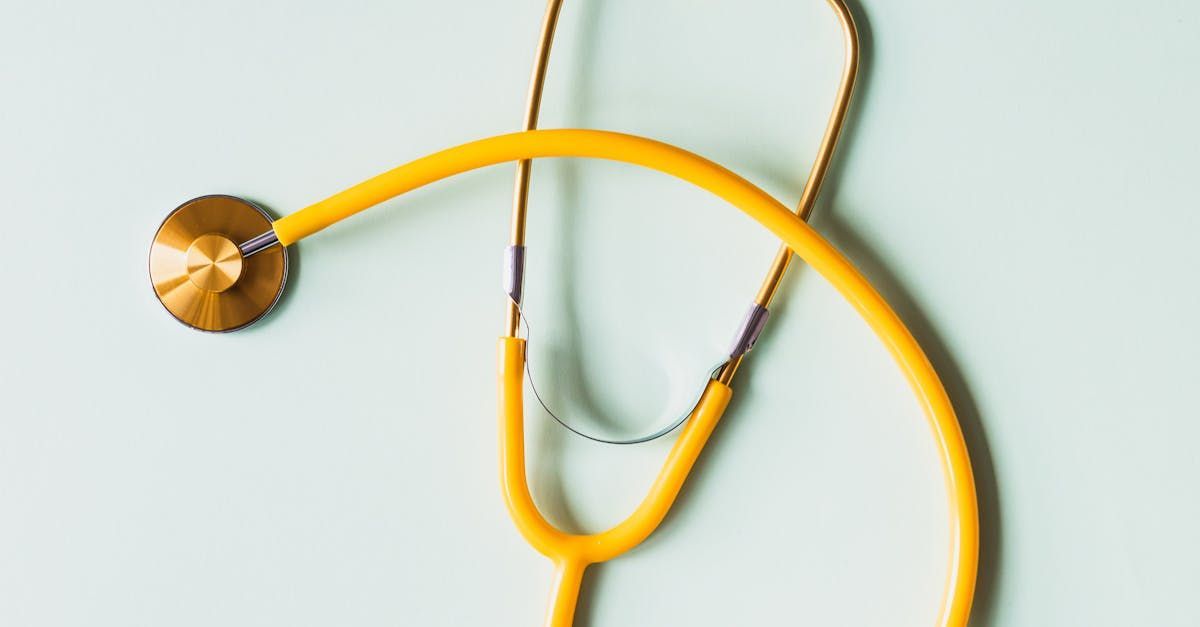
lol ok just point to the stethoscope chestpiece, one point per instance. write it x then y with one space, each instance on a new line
203 271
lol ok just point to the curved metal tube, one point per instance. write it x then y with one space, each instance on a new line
820 167
533 106
808 197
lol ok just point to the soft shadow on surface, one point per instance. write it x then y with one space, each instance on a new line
861 252
545 477
289 285
847 239
850 242
593 580
566 358
546 480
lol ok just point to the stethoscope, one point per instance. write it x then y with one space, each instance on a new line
219 263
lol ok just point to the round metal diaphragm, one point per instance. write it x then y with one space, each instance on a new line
200 275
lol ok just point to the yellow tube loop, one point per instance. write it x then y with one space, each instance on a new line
600 547
572 553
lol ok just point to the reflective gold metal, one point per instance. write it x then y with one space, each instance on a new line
533 105
820 167
808 197
201 277
214 263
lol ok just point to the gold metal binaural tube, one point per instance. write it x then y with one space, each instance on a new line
533 105
820 167
808 196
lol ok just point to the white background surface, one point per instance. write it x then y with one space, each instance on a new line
1017 177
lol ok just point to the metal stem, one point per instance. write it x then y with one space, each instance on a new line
258 243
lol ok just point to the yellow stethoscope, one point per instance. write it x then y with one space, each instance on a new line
219 263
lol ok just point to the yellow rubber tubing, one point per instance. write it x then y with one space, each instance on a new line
573 553
802 239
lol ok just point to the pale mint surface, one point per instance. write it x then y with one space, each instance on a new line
1017 177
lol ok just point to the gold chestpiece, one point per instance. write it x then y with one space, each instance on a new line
199 273
214 263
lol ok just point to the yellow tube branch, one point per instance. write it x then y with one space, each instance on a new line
572 553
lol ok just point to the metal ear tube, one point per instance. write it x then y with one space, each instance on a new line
219 263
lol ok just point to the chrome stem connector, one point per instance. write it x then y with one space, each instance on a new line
747 334
258 243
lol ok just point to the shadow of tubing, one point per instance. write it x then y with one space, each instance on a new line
574 552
